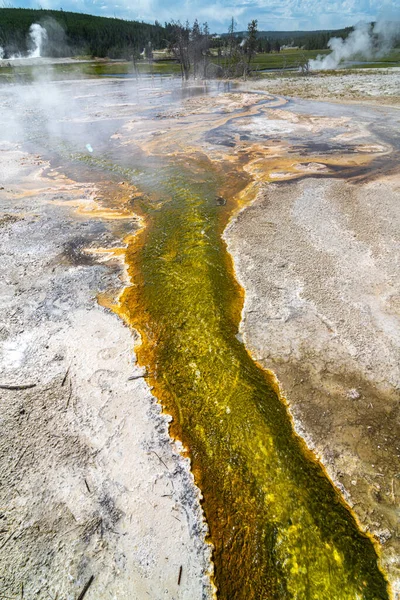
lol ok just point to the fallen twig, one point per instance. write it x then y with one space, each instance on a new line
7 540
160 459
143 373
86 587
65 376
23 386
87 486
73 529
21 457
180 575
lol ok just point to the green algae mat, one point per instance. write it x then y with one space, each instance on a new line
278 527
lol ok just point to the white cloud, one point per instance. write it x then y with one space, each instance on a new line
274 15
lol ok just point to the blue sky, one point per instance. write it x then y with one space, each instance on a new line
276 15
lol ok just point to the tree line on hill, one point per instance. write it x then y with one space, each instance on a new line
74 34
273 41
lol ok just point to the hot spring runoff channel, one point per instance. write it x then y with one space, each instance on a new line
279 528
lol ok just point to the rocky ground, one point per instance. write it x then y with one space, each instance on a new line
379 86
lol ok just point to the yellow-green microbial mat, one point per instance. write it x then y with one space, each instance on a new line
278 527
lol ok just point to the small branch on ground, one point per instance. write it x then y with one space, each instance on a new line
23 386
21 456
159 458
7 540
85 589
65 376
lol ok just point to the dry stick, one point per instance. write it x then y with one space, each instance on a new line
160 459
143 375
87 486
26 386
71 530
85 589
7 540
19 535
65 376
180 575
21 457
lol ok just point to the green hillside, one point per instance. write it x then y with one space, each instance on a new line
72 34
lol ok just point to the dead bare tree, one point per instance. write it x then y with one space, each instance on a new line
195 50
205 48
239 54
304 65
190 46
179 46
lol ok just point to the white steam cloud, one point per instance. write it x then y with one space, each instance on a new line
37 38
38 35
367 41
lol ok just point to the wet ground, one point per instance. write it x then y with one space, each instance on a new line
185 162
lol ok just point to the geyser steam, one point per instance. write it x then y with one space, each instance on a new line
38 35
366 41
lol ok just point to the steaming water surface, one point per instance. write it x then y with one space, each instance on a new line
279 528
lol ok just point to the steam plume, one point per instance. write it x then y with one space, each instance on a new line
38 35
367 41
